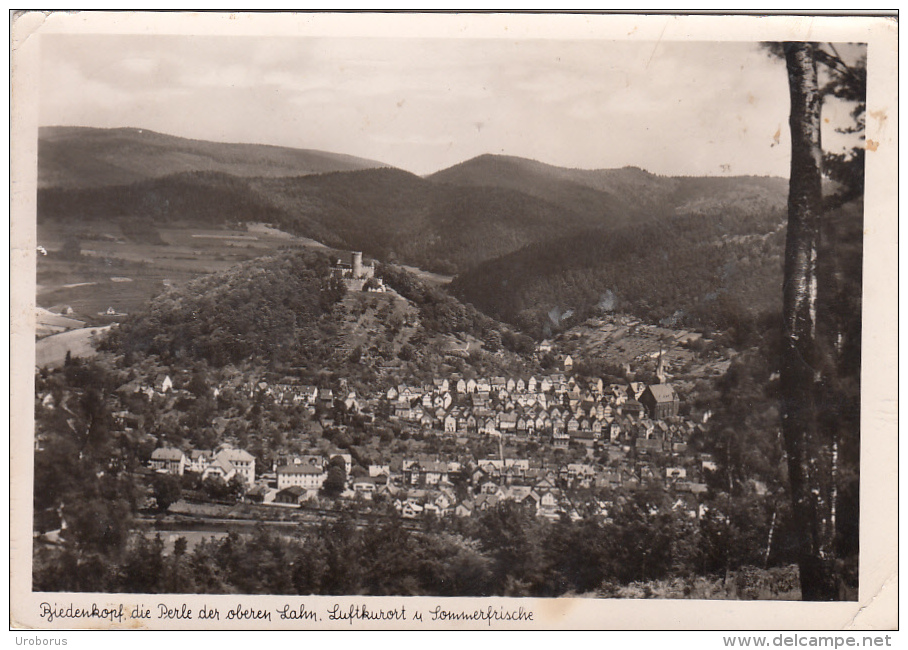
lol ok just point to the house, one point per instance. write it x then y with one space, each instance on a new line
434 472
464 508
292 495
443 501
199 459
635 389
507 422
485 501
260 494
548 501
241 461
660 401
560 437
632 408
351 402
170 460
379 470
411 510
365 486
586 438
219 468
305 476
163 384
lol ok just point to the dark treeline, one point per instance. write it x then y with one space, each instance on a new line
505 551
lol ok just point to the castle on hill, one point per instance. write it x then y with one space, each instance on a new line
356 274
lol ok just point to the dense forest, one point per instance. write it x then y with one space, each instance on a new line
505 552
273 308
448 222
618 196
716 270
386 213
285 312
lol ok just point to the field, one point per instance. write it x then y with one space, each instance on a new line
51 350
119 271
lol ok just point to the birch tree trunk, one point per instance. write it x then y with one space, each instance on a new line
808 457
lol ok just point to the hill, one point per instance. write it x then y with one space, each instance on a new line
287 311
710 268
616 196
396 216
707 270
484 208
386 213
80 157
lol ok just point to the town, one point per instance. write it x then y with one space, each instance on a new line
586 435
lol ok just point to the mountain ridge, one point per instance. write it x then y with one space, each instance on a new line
80 157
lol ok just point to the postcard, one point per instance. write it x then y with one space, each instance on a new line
453 321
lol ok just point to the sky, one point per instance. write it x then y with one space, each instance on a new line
672 108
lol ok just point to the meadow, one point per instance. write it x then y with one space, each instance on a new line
93 268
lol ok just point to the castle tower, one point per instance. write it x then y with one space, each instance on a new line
660 368
357 265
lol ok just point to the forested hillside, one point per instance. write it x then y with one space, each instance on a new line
396 216
272 308
79 157
714 270
386 213
288 311
616 196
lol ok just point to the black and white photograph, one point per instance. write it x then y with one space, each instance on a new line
455 307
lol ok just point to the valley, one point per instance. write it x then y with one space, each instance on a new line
582 357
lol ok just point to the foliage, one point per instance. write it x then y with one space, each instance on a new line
167 490
337 477
273 308
717 267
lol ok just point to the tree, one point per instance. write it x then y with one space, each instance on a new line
167 490
805 374
336 480
236 486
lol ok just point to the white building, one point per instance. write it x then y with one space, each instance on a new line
305 476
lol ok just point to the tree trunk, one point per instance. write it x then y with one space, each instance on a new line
800 370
